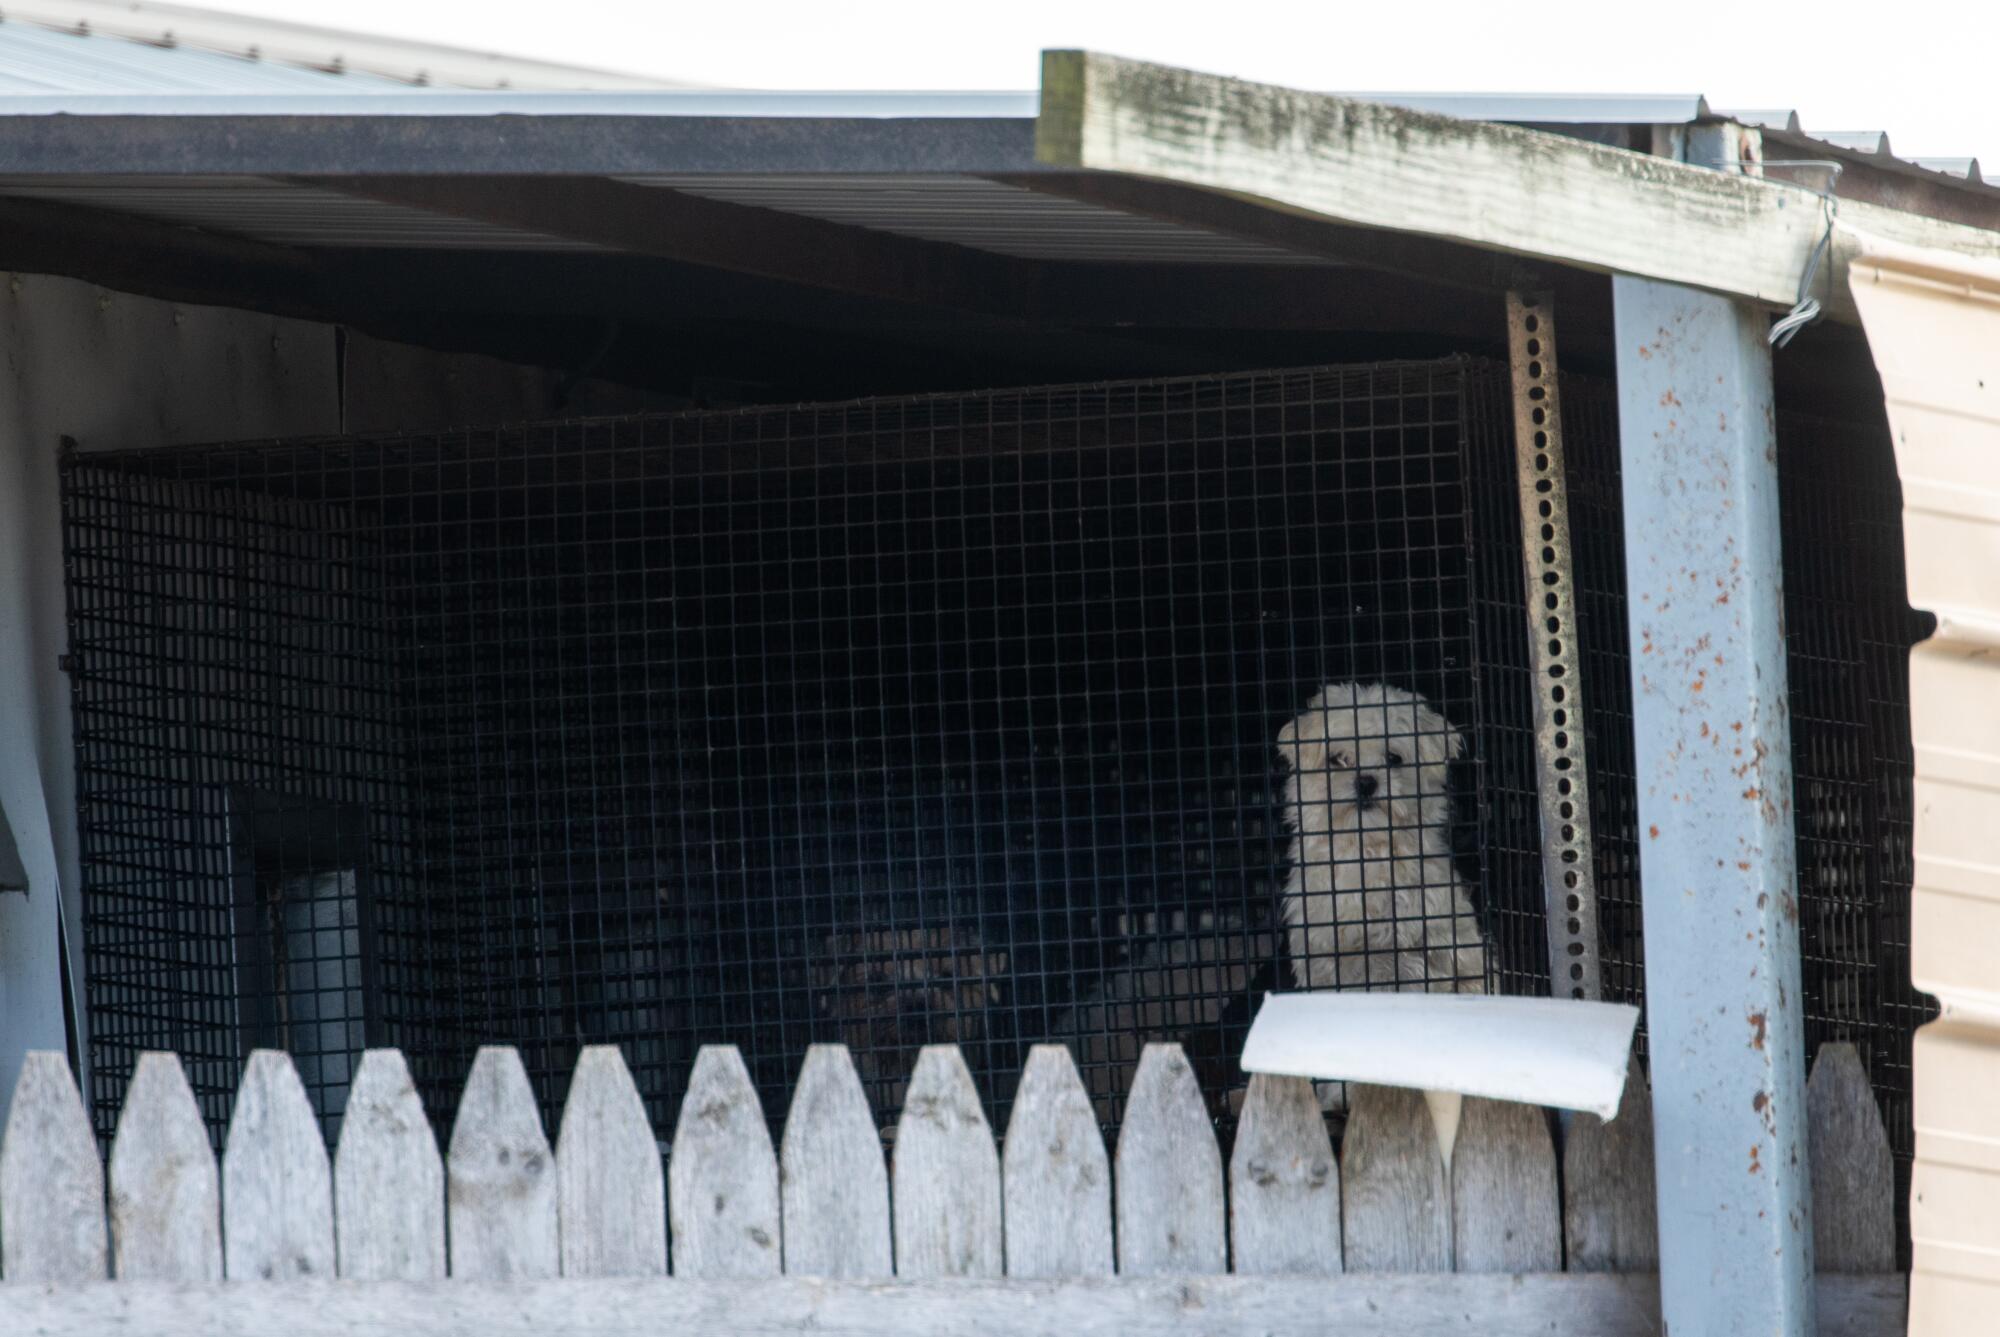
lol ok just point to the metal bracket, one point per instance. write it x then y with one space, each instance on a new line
1560 769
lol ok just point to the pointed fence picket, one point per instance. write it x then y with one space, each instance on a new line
277 1192
946 1179
1284 1184
1055 1178
1506 1215
722 1177
1395 1205
1170 1210
166 1222
51 1185
1610 1215
1853 1174
500 1180
611 1199
388 1178
836 1189
1037 1214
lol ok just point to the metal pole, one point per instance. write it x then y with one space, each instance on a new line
1712 731
1562 771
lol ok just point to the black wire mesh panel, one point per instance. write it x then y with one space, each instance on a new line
902 721
234 703
1849 629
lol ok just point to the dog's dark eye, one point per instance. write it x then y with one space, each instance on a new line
1395 759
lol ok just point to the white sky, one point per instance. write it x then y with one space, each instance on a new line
1924 70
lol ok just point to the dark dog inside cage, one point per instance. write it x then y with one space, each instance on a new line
938 720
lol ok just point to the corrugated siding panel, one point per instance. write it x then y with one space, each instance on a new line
1933 323
985 215
281 212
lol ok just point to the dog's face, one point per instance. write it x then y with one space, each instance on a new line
1368 756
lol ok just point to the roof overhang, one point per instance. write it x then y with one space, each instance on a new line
1123 204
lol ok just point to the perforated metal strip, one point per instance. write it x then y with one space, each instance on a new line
1560 769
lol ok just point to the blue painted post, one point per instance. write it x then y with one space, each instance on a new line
1717 853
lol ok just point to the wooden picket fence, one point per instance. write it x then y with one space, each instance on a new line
505 1235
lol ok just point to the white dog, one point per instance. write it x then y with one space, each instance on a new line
1372 900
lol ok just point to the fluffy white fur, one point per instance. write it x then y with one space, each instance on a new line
1372 900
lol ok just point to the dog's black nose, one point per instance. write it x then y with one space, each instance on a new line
1365 786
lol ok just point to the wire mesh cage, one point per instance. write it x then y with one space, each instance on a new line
978 718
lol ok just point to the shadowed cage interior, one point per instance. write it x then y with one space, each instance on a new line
942 719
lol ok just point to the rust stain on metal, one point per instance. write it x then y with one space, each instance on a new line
1653 831
1757 1030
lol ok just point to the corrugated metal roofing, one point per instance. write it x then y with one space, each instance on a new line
110 25
986 215
282 212
43 60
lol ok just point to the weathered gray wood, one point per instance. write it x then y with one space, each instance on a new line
1853 1175
1610 1218
611 1199
1284 1184
836 1189
1500 188
166 1222
277 1192
388 1178
1171 1218
1055 1177
1353 1306
722 1177
946 1174
51 1183
1506 1211
500 1181
1395 1209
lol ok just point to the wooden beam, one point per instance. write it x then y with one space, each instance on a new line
1499 188
1602 1304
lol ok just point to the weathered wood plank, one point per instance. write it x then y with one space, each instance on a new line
722 1176
611 1198
836 1189
1853 1174
166 1221
1395 1210
1170 1213
1506 1211
500 1182
1055 1177
1284 1184
946 1175
1497 187
277 1192
51 1182
1610 1218
388 1178
1464 1305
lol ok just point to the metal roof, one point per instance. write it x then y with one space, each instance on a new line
284 212
36 60
141 46
215 141
983 214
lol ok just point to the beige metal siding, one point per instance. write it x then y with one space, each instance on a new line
1933 323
